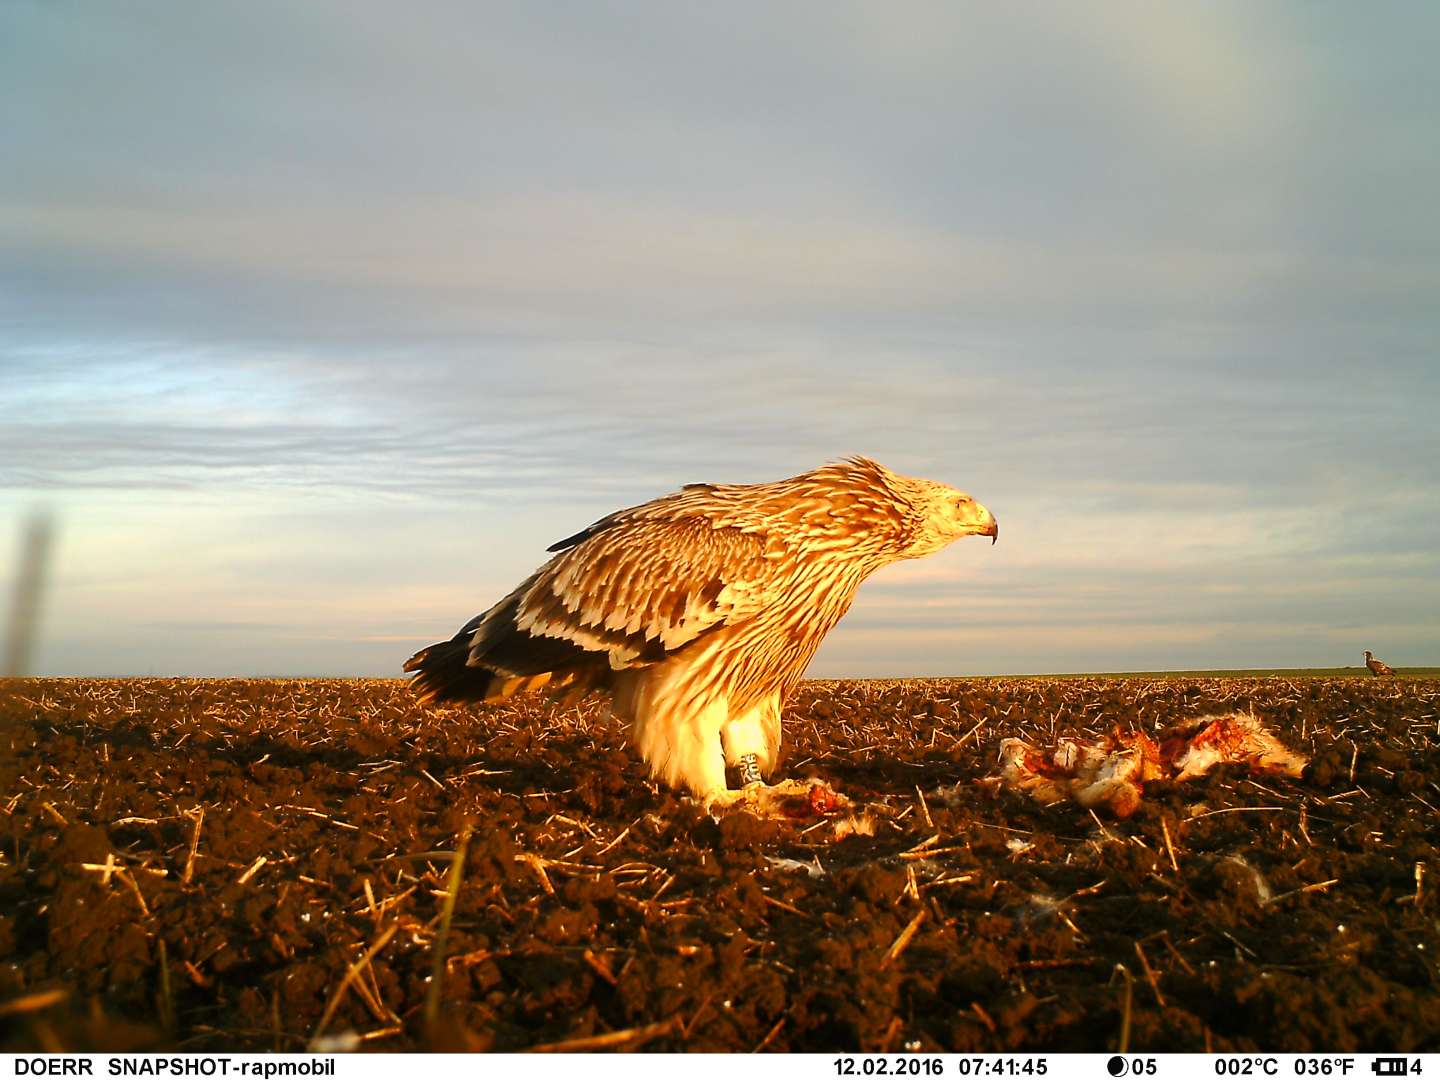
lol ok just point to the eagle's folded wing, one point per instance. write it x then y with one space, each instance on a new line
630 592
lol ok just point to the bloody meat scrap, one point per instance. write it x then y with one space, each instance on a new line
1110 772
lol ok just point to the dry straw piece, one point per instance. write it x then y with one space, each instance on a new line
452 890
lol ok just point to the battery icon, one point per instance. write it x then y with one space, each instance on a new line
1390 1066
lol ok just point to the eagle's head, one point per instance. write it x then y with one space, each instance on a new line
943 514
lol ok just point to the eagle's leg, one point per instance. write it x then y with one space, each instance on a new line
694 755
751 744
748 746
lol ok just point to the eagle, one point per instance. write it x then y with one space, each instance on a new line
698 612
1377 667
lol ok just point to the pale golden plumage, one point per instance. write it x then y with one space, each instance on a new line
699 611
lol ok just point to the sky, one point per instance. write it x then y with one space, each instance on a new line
319 322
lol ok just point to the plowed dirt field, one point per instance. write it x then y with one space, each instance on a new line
229 864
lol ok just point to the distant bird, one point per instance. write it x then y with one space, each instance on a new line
699 611
1377 667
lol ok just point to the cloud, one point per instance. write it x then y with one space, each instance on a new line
320 319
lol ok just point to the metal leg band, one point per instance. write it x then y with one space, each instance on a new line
749 769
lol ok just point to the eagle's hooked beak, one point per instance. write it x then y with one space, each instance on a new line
989 526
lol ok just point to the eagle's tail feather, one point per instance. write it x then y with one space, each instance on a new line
443 672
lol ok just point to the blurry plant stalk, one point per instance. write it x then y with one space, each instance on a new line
24 625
